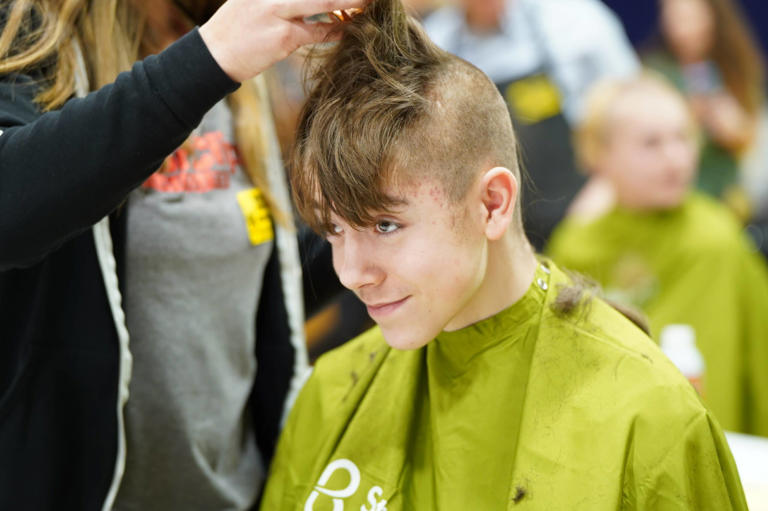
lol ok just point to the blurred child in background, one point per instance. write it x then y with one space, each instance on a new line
639 230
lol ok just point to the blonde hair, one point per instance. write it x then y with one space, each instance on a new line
592 132
42 36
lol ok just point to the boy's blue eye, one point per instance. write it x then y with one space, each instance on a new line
386 227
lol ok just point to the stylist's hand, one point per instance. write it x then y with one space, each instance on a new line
248 36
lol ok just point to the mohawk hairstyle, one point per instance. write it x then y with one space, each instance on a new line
388 107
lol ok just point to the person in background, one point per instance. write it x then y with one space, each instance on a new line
135 305
707 51
542 55
676 254
493 381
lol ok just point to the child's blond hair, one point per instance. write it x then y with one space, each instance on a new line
592 133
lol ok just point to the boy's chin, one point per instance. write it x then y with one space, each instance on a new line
404 338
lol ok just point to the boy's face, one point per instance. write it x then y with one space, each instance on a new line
419 270
650 155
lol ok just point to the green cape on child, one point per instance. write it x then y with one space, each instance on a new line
689 265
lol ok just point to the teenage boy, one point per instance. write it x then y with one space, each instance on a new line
491 381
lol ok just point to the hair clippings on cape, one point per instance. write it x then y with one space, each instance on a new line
340 15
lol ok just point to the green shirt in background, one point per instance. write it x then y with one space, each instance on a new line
529 409
689 265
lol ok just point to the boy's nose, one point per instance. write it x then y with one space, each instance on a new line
355 265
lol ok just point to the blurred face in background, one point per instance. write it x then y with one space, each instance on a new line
649 153
484 15
688 27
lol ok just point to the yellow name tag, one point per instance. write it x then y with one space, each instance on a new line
256 215
533 99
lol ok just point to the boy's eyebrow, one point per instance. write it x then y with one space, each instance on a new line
398 203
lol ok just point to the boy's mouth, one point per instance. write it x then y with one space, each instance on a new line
384 308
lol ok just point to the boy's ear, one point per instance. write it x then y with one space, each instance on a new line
498 192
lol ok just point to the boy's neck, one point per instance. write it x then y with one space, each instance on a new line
511 269
510 272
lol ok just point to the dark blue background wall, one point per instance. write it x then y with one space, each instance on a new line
639 17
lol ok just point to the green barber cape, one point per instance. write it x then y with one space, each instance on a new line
689 265
528 409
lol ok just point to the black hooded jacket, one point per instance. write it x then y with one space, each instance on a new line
63 365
